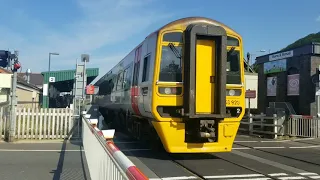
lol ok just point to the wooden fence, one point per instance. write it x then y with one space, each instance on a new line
38 123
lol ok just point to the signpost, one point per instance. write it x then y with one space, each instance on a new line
250 94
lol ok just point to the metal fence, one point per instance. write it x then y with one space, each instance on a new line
262 124
303 126
105 160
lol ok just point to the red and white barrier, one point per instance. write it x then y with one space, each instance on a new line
98 144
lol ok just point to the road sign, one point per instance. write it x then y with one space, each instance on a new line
52 79
251 94
90 89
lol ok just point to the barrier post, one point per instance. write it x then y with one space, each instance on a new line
275 123
250 124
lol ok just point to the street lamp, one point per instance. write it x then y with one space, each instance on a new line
50 58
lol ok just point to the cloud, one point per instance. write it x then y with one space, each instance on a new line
102 24
318 18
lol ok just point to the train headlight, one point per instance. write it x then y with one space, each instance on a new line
170 90
167 90
233 92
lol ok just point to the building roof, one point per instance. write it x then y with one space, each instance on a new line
20 80
65 75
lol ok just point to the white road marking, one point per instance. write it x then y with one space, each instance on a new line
242 148
294 177
304 139
314 177
38 150
304 147
271 141
308 174
233 176
266 147
278 174
251 179
245 141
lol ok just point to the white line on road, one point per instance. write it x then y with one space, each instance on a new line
292 177
304 147
234 176
266 147
278 174
245 141
308 174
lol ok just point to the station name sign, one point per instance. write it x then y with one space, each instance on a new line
281 55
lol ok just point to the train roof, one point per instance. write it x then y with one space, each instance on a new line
184 21
190 20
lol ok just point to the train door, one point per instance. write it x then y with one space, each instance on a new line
204 74
145 86
135 88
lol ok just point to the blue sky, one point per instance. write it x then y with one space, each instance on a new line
109 29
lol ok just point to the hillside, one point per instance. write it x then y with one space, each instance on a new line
314 37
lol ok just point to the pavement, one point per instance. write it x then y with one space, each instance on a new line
251 158
40 161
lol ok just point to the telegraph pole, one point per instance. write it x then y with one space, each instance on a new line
13 105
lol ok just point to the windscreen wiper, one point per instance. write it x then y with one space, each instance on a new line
175 50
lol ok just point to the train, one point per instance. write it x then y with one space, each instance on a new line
182 87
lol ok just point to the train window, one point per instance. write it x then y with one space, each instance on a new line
119 82
127 78
231 41
146 68
170 67
173 37
233 67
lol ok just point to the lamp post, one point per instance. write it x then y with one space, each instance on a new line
49 75
50 58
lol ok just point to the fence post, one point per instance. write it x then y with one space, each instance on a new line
275 123
250 124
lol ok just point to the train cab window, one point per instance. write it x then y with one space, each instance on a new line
146 68
170 66
173 37
231 41
233 67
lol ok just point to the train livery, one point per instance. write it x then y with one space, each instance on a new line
182 85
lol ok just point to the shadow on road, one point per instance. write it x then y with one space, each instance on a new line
74 141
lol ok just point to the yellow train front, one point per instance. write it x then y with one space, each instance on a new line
198 86
183 84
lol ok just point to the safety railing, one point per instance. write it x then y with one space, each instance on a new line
303 126
259 124
105 160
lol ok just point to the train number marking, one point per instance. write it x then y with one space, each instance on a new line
233 102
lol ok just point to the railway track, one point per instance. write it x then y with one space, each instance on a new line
235 165
255 164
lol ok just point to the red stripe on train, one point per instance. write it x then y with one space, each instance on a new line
134 99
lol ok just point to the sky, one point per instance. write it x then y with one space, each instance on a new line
108 30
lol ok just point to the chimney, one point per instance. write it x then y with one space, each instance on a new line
28 75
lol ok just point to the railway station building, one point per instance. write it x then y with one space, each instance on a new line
58 87
288 80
